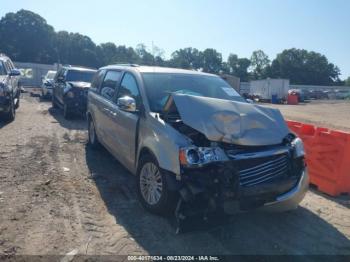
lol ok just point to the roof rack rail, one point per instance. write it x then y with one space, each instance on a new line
86 67
127 64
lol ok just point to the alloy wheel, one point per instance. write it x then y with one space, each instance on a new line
151 185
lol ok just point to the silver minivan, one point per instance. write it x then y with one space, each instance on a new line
195 145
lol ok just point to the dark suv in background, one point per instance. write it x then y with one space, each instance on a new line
9 88
70 89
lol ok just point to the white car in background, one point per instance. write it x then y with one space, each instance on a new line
47 84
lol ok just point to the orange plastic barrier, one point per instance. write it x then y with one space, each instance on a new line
327 157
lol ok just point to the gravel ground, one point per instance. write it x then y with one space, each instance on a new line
324 113
57 196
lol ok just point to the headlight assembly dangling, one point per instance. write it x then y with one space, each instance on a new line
298 146
197 156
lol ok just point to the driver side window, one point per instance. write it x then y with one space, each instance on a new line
129 87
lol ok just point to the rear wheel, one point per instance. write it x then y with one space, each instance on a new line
152 187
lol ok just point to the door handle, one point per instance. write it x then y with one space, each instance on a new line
110 112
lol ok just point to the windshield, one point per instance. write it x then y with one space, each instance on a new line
50 75
160 85
2 68
79 76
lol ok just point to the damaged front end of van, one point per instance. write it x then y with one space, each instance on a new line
240 156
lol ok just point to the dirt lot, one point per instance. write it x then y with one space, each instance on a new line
325 113
57 196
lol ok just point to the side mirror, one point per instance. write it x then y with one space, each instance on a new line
127 103
15 72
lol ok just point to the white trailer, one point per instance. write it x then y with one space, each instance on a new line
265 89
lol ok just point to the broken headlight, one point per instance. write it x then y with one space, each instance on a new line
198 156
298 146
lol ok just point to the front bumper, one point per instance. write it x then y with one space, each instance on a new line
76 104
47 91
291 199
220 185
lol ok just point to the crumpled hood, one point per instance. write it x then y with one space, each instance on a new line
80 84
229 121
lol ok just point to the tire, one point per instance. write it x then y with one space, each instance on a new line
18 98
10 116
53 101
163 200
66 113
93 139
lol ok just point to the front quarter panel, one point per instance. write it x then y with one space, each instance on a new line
163 141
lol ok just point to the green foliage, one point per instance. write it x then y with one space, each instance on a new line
260 63
347 81
303 67
26 37
238 67
188 58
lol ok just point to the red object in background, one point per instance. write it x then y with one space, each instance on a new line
327 157
293 99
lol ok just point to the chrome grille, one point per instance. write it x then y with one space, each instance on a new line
265 171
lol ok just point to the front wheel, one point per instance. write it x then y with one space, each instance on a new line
66 113
18 98
11 114
152 188
93 140
53 101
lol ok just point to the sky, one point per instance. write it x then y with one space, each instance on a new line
229 26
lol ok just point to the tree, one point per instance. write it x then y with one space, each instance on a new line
259 64
347 81
188 58
146 58
76 49
238 67
304 67
106 53
27 37
211 61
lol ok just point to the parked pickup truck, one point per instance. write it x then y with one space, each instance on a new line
10 89
194 143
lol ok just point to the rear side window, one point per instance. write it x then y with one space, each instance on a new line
96 81
109 84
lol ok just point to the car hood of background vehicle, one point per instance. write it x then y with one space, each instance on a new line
229 121
79 84
3 78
